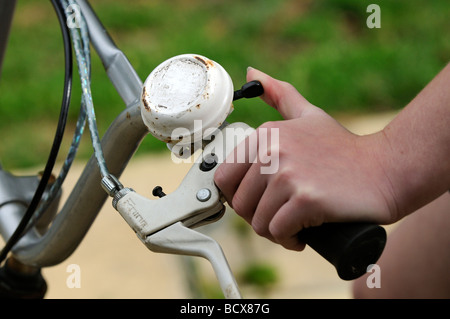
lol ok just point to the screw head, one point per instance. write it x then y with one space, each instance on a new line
209 162
158 192
203 194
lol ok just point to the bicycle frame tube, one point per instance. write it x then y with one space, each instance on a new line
87 198
119 144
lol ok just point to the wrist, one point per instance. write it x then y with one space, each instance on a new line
410 171
381 164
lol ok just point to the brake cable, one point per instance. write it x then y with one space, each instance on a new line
80 41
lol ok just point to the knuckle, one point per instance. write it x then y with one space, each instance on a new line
278 233
284 176
306 197
238 205
303 199
269 125
310 203
287 86
259 228
285 239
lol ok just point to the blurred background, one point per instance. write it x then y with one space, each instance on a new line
324 48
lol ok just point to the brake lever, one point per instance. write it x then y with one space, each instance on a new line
179 239
166 224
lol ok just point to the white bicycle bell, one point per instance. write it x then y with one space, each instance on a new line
185 96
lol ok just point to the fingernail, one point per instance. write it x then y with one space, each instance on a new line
249 68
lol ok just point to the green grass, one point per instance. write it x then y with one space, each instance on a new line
324 48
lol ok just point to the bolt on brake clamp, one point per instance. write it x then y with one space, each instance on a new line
165 224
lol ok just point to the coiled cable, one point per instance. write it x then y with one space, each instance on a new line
15 237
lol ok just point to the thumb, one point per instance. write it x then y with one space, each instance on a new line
280 95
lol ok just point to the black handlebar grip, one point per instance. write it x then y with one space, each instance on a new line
350 247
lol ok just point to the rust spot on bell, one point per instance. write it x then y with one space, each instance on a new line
144 100
207 62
